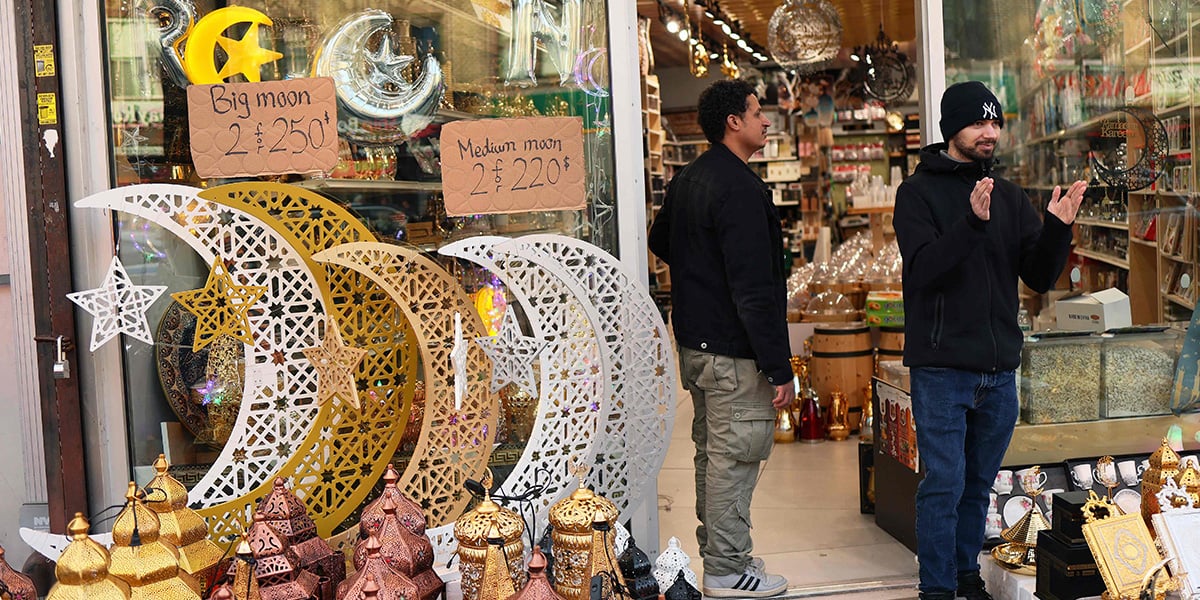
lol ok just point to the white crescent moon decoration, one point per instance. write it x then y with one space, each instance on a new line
379 104
280 397
635 344
454 445
571 376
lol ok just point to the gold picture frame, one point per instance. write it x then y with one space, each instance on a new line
1123 550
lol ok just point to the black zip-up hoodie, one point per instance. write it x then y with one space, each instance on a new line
720 233
960 272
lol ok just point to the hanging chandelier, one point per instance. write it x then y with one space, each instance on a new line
886 72
805 35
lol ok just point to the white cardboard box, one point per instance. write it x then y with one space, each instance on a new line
1097 311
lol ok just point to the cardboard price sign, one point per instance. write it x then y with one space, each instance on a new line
264 128
494 166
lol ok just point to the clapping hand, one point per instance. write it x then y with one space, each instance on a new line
1064 206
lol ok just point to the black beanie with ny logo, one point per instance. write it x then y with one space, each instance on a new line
966 102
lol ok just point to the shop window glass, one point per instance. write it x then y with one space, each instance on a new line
186 403
1105 91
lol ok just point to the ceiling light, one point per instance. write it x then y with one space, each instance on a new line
709 14
726 28
735 36
714 56
672 25
684 35
718 21
854 57
743 45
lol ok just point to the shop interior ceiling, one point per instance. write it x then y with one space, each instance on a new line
860 24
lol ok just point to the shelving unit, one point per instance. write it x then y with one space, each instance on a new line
652 125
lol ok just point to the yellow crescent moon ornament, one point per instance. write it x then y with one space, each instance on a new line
246 56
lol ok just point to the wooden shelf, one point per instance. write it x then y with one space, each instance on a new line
1104 258
872 210
1175 258
1106 224
1181 301
1142 242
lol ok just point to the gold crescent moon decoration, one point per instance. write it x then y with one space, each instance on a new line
454 444
346 450
245 56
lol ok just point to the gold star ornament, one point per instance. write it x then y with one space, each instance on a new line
335 363
221 307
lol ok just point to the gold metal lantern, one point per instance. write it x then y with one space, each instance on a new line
180 526
82 570
141 559
572 520
473 529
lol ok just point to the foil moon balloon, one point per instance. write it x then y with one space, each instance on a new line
376 103
175 18
534 21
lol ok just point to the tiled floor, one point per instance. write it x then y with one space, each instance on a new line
807 526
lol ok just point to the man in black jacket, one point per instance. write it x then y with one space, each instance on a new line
719 232
965 237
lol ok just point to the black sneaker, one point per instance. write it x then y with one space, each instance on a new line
971 586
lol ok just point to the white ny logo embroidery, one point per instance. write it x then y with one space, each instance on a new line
990 110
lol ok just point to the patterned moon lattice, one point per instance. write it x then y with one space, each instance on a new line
347 449
454 445
570 377
279 400
633 339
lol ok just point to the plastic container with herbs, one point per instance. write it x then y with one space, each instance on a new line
1060 377
1139 370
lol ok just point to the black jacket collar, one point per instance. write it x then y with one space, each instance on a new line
934 161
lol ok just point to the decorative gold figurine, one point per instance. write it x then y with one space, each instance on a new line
538 587
82 570
405 551
497 581
141 559
277 566
572 529
473 532
1189 481
785 429
839 417
390 583
410 514
17 585
180 526
286 513
866 427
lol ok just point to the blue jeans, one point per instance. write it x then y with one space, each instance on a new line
964 422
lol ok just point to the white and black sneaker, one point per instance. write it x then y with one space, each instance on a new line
754 582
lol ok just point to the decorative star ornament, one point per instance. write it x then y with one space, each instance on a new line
388 67
335 363
221 307
118 306
246 56
512 355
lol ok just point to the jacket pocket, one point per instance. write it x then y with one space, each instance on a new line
939 313
752 431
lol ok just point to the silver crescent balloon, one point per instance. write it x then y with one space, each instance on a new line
175 18
377 105
534 21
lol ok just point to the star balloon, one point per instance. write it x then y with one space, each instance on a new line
335 363
221 307
118 306
512 355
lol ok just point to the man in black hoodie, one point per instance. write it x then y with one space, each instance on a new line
720 233
965 237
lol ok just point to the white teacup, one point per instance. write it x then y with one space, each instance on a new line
993 505
1004 482
1048 498
1082 476
1032 479
1129 472
1106 472
994 526
1143 467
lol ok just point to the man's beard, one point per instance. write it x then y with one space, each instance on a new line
972 153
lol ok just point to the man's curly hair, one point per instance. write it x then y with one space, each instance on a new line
718 101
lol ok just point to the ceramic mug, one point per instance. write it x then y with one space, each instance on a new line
1004 482
993 505
1129 472
993 526
1032 479
1082 476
